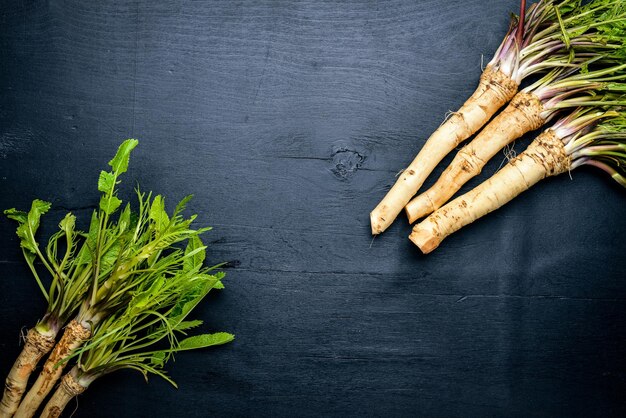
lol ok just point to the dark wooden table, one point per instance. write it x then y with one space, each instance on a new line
288 121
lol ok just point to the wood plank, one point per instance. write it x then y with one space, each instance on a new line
288 122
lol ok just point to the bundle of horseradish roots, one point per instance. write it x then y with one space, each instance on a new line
118 295
572 55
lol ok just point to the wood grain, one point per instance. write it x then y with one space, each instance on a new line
288 121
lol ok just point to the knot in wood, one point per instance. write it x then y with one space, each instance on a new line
346 162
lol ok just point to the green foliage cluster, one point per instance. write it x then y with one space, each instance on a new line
132 280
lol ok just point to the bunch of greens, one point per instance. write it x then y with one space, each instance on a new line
550 37
155 316
116 264
603 146
595 75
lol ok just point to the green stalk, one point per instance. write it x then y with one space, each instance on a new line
154 316
121 256
603 146
551 37
559 34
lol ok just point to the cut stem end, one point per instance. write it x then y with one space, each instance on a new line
426 241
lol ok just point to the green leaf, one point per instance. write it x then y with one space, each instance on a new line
94 225
147 297
158 358
185 325
67 226
124 222
110 257
109 204
86 252
188 301
68 223
215 280
30 257
16 215
158 214
205 340
182 204
195 253
106 182
119 163
38 208
28 223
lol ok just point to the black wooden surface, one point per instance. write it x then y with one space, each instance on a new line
288 121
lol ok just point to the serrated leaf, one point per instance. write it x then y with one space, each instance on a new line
216 280
185 325
158 214
110 257
25 241
205 340
144 299
124 221
182 204
38 208
157 285
109 204
203 285
106 182
68 224
195 253
158 358
16 215
119 163
28 223
29 256
85 254
189 301
94 226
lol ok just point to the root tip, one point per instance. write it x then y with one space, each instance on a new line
377 228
